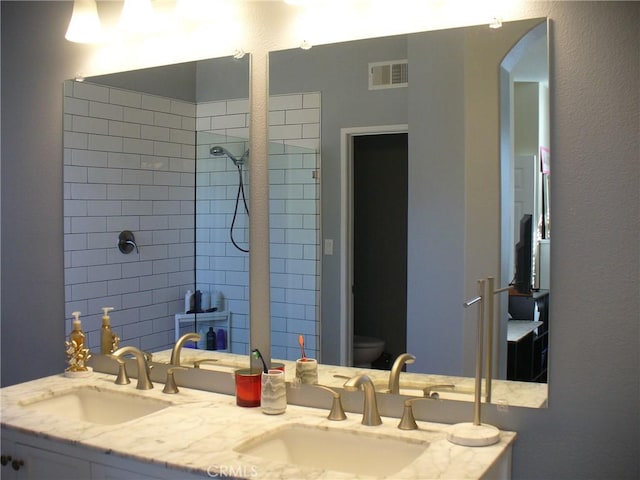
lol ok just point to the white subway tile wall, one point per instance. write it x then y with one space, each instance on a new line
220 266
129 165
294 222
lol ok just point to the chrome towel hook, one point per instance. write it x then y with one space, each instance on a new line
127 242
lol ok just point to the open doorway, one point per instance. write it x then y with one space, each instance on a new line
375 267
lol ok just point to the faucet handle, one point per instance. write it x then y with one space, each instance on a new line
197 363
337 411
430 390
170 385
408 421
122 378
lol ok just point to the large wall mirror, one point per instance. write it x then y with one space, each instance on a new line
155 190
402 170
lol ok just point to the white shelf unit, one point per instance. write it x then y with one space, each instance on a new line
216 320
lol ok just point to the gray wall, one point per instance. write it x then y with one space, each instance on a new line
295 71
173 81
591 428
222 79
436 213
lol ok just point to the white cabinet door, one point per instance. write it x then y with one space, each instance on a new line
42 464
42 459
8 456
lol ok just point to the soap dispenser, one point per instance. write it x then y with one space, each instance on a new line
108 339
77 353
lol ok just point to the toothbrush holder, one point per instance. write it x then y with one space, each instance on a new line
307 370
273 398
248 387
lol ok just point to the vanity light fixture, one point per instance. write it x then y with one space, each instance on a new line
136 15
84 26
496 23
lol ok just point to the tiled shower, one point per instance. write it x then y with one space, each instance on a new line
130 160
129 163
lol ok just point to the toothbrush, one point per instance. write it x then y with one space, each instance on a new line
257 354
301 342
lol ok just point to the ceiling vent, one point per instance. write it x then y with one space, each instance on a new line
393 74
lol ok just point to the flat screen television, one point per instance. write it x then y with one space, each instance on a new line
524 252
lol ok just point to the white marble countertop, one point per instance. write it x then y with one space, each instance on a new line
199 431
518 329
512 393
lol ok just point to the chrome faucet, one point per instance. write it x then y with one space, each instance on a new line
394 376
370 415
177 348
143 359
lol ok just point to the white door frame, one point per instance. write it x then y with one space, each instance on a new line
346 229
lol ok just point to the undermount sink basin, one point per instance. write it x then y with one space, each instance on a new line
94 405
333 449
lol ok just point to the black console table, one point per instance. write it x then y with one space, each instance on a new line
528 340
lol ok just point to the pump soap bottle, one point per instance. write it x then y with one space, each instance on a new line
77 354
108 339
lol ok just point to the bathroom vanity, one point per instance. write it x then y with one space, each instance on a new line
199 434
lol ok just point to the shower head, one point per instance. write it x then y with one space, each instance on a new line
219 151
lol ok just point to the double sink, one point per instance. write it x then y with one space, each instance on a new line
315 446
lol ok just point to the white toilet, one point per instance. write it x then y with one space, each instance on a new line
366 350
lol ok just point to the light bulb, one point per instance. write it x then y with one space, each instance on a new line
84 26
136 15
